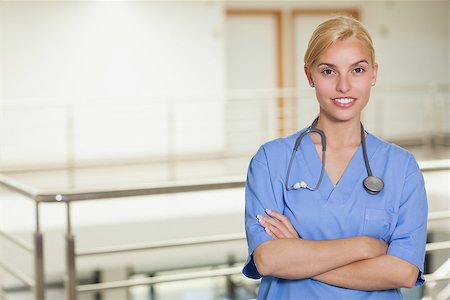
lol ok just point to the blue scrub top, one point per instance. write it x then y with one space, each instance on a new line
397 215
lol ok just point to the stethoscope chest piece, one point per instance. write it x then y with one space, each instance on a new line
373 184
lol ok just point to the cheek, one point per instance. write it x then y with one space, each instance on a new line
366 89
363 86
364 97
325 88
322 94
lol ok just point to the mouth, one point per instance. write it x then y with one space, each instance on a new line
344 101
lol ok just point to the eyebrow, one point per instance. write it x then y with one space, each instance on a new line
354 64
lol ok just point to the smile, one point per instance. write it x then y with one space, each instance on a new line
344 102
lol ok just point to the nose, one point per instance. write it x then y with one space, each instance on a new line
343 84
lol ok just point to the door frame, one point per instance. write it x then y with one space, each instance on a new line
280 59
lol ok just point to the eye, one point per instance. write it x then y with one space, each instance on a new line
327 72
359 70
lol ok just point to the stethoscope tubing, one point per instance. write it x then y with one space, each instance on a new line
372 184
323 139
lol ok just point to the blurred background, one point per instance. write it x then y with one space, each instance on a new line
126 129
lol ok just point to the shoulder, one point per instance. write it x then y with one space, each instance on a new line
275 154
397 156
276 149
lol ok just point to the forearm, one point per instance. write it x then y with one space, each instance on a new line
379 273
298 258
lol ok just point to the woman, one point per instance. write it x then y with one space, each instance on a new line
332 234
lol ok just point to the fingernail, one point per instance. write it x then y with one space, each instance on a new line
268 211
266 229
261 221
258 217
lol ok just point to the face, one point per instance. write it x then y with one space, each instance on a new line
343 77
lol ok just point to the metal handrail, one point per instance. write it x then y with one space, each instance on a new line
434 165
200 241
437 246
17 241
38 283
80 195
164 244
174 187
213 273
18 274
18 186
159 279
3 295
187 276
434 278
178 187
171 188
438 215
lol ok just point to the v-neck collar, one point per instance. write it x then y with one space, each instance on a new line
352 176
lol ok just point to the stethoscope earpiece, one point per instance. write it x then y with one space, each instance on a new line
373 184
299 185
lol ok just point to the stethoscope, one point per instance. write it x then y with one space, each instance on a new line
372 184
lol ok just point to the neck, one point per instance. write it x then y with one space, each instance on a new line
340 133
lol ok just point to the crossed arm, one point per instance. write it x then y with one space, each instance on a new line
357 263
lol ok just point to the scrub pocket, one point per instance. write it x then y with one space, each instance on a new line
376 223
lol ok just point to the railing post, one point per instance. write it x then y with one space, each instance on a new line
152 288
39 289
71 274
230 285
428 290
3 295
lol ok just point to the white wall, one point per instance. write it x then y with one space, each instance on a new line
411 40
102 81
110 61
109 49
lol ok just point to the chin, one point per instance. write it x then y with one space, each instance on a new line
342 116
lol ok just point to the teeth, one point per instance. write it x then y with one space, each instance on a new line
344 100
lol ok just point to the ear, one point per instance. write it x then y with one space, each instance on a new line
374 74
308 74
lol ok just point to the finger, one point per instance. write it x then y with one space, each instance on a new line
285 220
270 233
274 223
287 228
275 231
270 225
279 228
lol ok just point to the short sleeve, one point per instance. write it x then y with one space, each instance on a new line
409 237
259 195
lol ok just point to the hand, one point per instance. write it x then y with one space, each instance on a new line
374 247
277 225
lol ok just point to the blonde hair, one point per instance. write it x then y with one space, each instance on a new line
337 29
